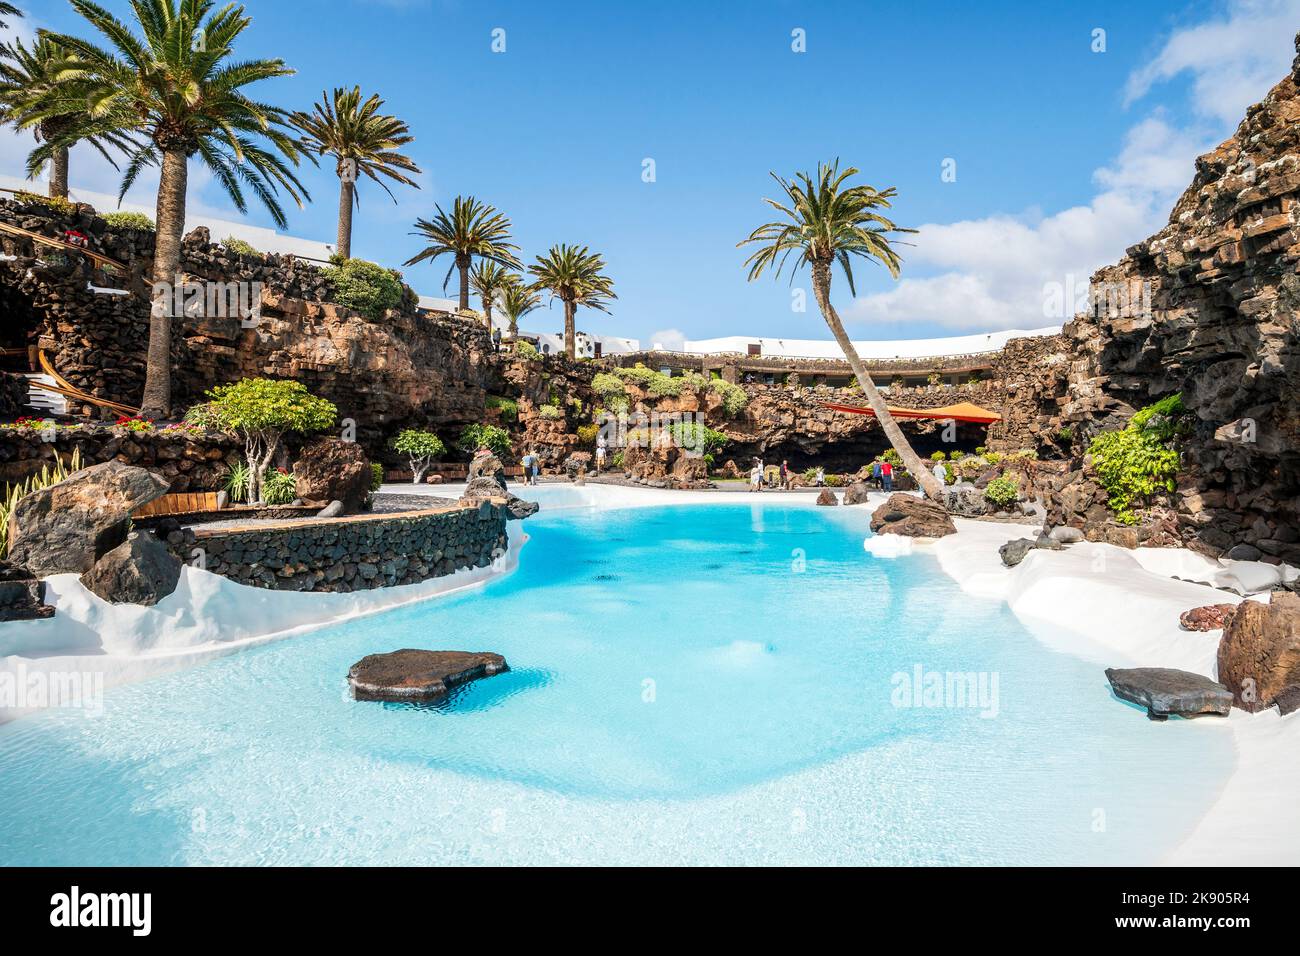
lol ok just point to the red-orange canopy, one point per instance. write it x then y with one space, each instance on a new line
961 412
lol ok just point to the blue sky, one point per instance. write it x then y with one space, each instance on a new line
1064 156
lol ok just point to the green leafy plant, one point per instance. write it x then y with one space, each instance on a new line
50 474
834 481
608 386
587 433
239 246
697 436
508 407
279 488
236 482
421 448
55 203
937 456
129 220
616 459
262 411
364 286
734 398
376 476
1141 459
550 412
1002 492
527 350
474 437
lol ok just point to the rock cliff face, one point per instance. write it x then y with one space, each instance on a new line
1224 290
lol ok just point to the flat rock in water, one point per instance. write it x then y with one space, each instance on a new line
414 676
912 516
1164 691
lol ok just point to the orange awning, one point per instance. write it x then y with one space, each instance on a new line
961 412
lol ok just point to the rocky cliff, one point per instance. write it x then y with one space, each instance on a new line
1224 290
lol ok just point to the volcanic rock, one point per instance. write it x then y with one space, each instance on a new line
1164 691
417 676
857 493
140 570
1211 617
1259 654
1013 552
912 516
67 526
331 469
22 594
827 498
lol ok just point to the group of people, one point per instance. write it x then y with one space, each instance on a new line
882 476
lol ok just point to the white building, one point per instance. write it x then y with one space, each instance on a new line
868 349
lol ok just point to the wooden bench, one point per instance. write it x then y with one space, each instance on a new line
183 504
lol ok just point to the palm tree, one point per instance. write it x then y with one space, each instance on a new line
576 277
473 229
519 300
8 10
362 141
183 90
491 281
825 223
41 90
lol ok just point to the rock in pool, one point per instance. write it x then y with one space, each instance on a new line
912 516
419 677
1164 691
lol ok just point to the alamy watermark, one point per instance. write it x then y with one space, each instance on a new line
685 430
23 689
1125 299
952 690
208 299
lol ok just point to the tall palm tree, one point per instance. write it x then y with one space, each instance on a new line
41 90
491 281
575 277
8 10
362 141
178 80
519 300
825 223
473 229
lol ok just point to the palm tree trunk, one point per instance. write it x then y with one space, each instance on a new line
463 265
59 174
514 326
570 333
343 245
821 273
166 264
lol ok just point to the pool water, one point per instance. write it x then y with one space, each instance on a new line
687 684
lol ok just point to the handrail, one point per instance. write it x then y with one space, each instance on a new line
98 257
63 387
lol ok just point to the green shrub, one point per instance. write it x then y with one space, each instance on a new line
129 220
993 457
1139 460
56 203
527 350
892 456
236 482
279 488
474 437
616 459
810 475
508 406
239 246
376 476
608 386
980 449
697 436
1002 492
587 433
549 412
734 398
833 481
937 456
364 286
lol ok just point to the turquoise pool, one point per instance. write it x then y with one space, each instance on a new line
712 684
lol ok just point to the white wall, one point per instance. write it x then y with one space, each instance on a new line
900 348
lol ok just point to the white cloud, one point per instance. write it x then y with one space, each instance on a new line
673 340
1233 59
992 271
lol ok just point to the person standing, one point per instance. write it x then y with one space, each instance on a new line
600 454
785 474
821 477
876 478
887 475
940 472
756 478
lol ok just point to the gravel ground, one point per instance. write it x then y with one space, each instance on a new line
385 503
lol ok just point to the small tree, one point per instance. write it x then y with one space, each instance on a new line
262 411
421 448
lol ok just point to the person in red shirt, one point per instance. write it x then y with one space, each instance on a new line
887 475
